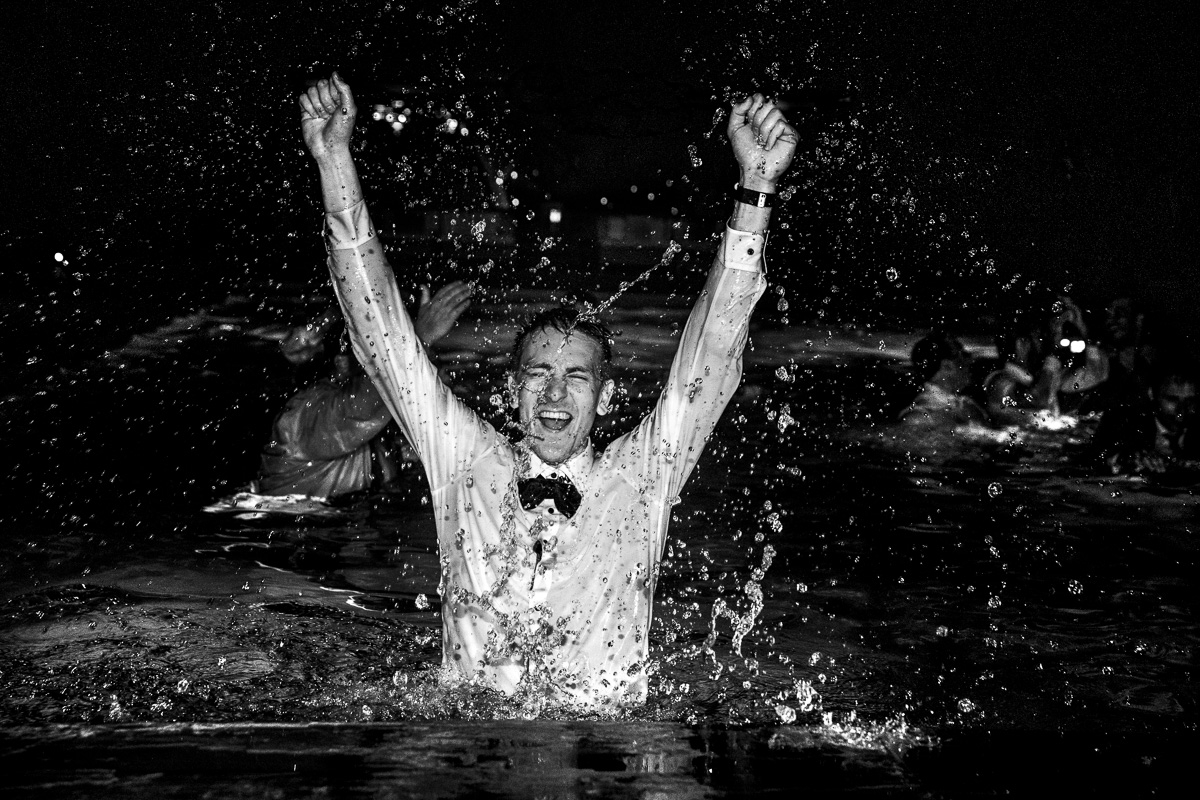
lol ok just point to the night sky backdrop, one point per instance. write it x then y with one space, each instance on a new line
984 145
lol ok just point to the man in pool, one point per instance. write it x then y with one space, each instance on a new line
1148 435
331 438
550 551
943 368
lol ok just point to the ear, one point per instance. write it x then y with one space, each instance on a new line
514 394
606 393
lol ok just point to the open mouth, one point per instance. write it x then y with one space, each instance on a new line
554 420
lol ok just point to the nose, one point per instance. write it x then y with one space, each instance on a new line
556 388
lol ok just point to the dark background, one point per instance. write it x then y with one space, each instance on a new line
961 160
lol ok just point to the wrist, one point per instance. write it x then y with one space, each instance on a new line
333 158
756 183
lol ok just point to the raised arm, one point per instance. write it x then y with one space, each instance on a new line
384 337
708 364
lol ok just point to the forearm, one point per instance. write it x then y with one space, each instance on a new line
340 187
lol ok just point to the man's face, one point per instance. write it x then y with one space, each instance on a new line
955 372
1120 321
558 392
1176 405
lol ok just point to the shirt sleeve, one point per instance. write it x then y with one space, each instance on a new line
708 364
445 433
328 421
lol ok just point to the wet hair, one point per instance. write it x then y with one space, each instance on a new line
565 320
929 353
321 363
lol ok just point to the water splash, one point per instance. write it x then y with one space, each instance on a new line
742 622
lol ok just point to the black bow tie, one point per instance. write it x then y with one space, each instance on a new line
534 490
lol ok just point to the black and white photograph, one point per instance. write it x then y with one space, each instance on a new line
632 399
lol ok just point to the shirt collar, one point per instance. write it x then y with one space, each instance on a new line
577 468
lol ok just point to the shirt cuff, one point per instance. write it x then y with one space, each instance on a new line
744 251
348 229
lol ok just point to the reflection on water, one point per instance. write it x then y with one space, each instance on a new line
872 609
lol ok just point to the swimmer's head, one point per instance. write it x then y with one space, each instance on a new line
559 381
1123 320
942 359
1017 344
1175 401
565 319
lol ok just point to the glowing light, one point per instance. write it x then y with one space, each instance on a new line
650 195
633 189
1049 421
58 257
555 216
401 118
451 125
603 201
1064 342
1078 345
516 202
463 131
390 117
377 116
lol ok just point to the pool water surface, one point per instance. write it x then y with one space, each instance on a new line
972 613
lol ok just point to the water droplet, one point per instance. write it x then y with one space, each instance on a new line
995 490
892 274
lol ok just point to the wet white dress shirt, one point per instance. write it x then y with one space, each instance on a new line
571 617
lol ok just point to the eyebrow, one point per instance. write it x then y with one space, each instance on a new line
547 365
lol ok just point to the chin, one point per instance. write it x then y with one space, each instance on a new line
552 452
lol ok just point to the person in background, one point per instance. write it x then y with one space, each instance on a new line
1148 435
1073 366
1008 391
333 436
943 368
1131 352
